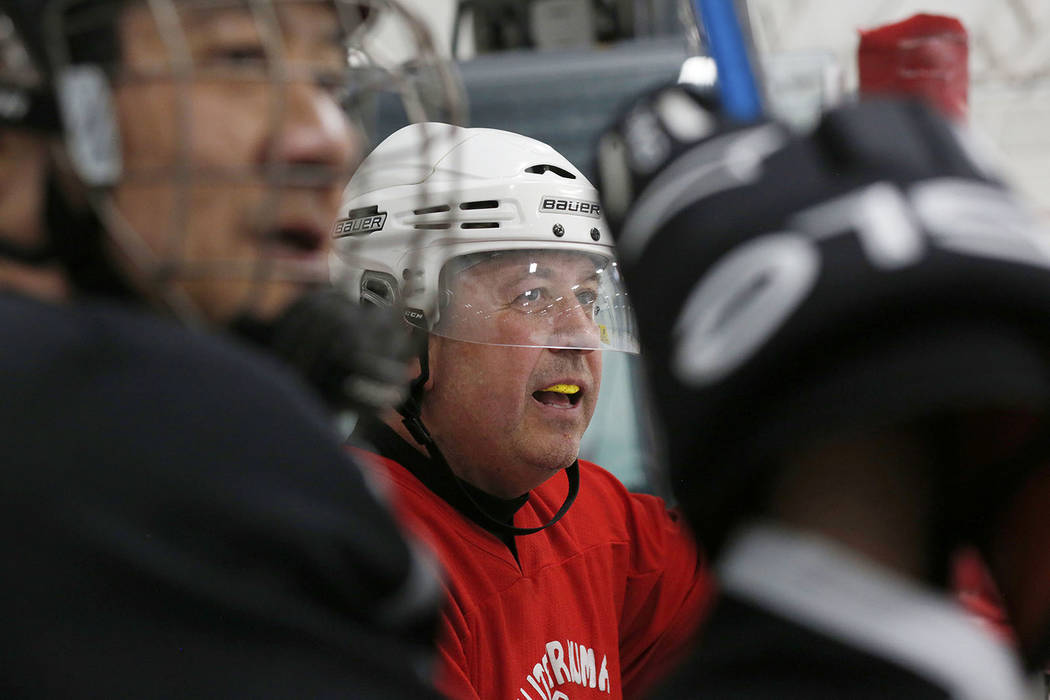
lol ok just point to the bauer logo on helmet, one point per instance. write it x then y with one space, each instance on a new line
360 225
565 205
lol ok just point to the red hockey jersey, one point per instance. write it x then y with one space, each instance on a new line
597 606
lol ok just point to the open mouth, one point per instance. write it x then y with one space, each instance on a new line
559 395
298 240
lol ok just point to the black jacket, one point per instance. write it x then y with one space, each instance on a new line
800 618
746 652
178 520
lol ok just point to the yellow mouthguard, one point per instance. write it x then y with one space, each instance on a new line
563 388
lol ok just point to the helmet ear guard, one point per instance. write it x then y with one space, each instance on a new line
75 106
62 74
90 123
379 289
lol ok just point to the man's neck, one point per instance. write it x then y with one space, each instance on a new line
395 422
868 492
385 437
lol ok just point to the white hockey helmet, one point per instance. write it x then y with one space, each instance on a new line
483 236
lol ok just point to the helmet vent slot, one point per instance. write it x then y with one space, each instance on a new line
547 168
480 224
437 226
482 204
362 212
432 210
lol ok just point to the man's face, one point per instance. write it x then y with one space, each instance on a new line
231 177
489 403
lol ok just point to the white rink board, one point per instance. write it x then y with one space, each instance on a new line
1009 64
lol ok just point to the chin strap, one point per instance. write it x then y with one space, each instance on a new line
411 414
77 239
34 256
28 108
74 238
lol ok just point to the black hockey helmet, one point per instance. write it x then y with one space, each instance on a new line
25 96
792 286
59 67
62 72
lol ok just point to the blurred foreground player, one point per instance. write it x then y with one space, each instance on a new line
848 333
495 245
926 57
179 519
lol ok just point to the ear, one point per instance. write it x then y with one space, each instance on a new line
70 184
8 156
434 347
414 369
20 149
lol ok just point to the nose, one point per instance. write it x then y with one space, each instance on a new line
574 327
313 130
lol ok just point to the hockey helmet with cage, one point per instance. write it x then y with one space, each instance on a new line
62 71
462 226
63 67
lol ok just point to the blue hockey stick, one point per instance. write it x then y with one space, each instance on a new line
737 82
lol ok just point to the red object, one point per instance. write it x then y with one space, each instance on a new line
924 56
978 594
600 605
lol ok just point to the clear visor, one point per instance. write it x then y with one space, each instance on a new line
536 298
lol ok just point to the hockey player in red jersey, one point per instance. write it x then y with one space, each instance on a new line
559 587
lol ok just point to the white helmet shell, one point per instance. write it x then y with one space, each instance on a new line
510 212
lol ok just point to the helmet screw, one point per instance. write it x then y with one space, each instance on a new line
595 234
559 230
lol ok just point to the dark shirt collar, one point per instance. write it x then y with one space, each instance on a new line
372 434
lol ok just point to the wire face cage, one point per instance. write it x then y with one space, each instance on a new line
198 123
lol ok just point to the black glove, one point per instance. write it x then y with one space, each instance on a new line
356 357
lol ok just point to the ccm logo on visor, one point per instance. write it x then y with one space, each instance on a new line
578 207
360 225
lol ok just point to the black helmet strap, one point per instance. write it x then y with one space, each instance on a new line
411 413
